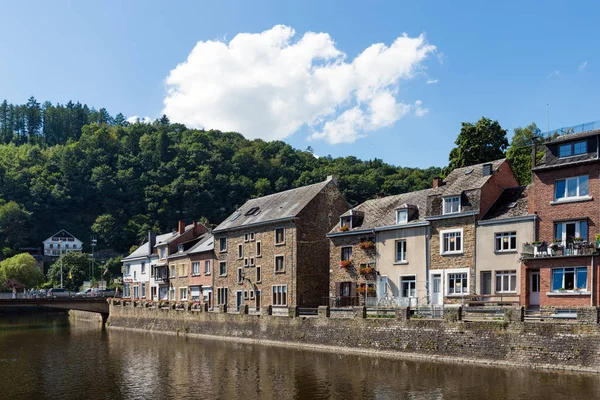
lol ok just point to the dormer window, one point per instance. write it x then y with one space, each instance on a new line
572 149
401 216
180 248
451 205
346 221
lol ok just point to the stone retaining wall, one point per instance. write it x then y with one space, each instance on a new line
513 341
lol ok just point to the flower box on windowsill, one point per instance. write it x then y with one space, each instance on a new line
344 228
569 293
366 245
346 263
366 270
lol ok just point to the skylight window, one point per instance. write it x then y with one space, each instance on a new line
512 205
236 216
253 211
469 172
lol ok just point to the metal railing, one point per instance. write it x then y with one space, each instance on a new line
428 312
552 314
483 313
308 311
567 130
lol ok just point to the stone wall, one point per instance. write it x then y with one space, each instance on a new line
553 345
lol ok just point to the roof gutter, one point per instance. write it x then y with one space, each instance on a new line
351 233
273 221
403 226
530 217
459 215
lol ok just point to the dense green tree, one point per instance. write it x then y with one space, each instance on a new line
478 143
33 115
14 227
20 270
75 267
520 150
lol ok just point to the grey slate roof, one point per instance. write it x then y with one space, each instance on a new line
205 244
511 203
382 212
169 237
189 245
274 207
144 250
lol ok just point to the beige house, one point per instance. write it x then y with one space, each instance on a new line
500 235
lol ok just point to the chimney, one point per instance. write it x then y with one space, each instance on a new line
332 178
486 169
437 182
151 240
181 227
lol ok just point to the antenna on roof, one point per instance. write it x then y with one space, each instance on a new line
548 118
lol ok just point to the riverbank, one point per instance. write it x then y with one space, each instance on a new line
539 345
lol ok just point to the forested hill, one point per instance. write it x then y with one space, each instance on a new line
71 167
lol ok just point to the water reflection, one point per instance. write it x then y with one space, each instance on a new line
84 361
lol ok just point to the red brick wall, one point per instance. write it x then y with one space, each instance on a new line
501 179
543 194
202 279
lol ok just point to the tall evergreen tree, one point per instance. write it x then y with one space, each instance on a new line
5 128
33 116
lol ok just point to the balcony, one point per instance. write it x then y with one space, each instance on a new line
161 274
571 248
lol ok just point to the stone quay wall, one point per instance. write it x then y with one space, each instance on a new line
511 342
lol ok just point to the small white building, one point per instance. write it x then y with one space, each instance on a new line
60 243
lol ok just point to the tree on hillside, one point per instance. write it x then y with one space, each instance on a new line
75 268
519 151
33 115
14 227
20 270
478 143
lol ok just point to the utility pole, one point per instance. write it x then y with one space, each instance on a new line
92 266
61 263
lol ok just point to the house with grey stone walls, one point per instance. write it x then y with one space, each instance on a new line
273 250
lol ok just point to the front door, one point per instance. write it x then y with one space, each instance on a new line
534 288
238 300
436 289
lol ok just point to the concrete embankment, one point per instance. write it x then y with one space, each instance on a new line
512 342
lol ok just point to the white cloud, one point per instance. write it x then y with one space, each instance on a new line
553 74
268 85
582 66
420 111
432 81
143 120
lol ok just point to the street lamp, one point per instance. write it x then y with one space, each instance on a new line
61 264
92 265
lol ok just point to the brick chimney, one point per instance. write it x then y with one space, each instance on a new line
437 182
332 178
181 226
151 240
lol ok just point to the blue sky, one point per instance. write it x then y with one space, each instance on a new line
503 60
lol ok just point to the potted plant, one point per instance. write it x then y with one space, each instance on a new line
344 228
597 240
346 263
557 245
527 248
361 289
366 244
366 270
370 290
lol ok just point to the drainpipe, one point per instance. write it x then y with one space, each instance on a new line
427 252
474 254
592 283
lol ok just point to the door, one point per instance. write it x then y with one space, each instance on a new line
436 289
135 292
238 300
534 288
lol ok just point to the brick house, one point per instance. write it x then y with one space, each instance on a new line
562 271
379 250
454 206
273 250
201 258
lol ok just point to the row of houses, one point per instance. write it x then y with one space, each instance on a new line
475 236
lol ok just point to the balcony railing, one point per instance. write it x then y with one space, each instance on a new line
558 249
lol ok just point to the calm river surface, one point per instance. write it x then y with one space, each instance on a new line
52 358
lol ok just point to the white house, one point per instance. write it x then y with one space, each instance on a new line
60 243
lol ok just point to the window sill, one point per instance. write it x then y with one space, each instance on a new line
581 293
506 251
571 200
401 263
458 296
223 276
506 293
280 272
280 244
195 274
452 253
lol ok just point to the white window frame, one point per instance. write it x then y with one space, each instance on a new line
275 263
221 263
258 248
401 288
221 248
163 252
343 250
275 237
128 269
246 237
172 271
183 290
246 262
195 268
251 263
576 284
451 200
143 286
258 274
400 259
251 238
403 220
448 273
206 267
143 267
222 296
172 293
280 289
346 221
239 276
566 196
240 253
442 240
502 236
504 277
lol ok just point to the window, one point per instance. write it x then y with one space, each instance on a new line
346 221
222 296
163 252
506 281
180 248
346 253
245 295
246 236
195 293
252 237
572 149
579 148
240 275
408 286
182 293
451 242
401 216
258 249
222 244
171 293
207 267
143 267
565 150
567 231
182 270
152 270
195 268
279 236
251 294
506 241
400 250
571 188
222 268
134 275
172 270
569 278
240 251
258 274
126 290
252 261
280 295
279 264
451 205
486 282
245 262
143 290
127 269
458 283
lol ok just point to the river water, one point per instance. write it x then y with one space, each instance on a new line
54 358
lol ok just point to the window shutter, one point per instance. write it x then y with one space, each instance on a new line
338 289
352 288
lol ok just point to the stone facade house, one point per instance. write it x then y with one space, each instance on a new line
562 271
454 206
500 235
379 251
273 250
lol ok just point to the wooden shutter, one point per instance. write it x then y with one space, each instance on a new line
352 288
338 289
